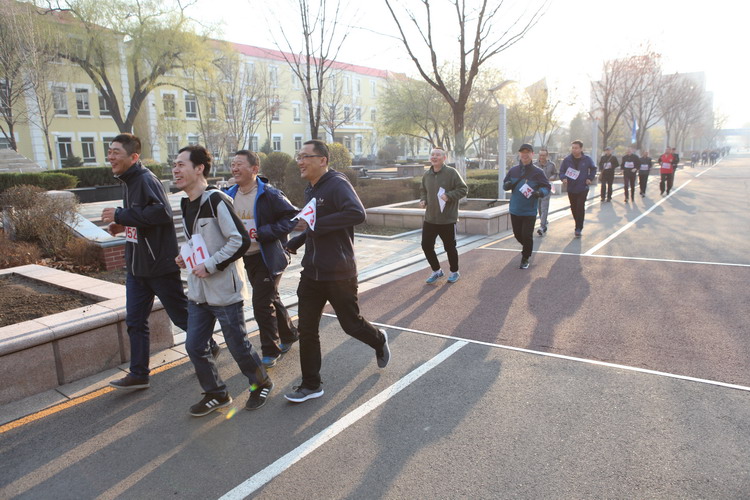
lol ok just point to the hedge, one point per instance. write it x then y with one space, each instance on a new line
102 176
45 180
479 187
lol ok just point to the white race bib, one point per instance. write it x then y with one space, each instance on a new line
644 166
250 228
131 234
526 190
629 164
572 173
607 165
194 252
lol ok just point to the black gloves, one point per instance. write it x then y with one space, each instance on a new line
538 194
507 185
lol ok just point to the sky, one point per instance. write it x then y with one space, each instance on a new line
567 46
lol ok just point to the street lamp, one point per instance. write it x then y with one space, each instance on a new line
502 140
596 115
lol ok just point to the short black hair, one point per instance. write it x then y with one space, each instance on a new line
252 158
319 147
130 143
199 156
579 142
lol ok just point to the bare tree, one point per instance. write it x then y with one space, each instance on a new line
481 36
645 108
151 38
684 106
323 35
340 103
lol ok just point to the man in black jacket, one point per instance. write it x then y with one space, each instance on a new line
329 271
630 165
607 165
150 250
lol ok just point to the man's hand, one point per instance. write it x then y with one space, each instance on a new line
565 182
108 215
588 182
180 262
538 194
422 204
114 228
444 197
200 271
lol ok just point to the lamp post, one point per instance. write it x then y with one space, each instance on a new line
596 115
502 139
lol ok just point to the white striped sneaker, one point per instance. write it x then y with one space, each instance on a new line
209 403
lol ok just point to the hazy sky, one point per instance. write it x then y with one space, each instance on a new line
567 46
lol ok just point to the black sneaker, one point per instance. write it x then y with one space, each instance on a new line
301 394
259 396
524 264
215 350
539 231
383 353
130 382
209 403
285 347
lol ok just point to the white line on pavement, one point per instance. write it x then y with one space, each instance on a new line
270 472
625 257
630 224
569 358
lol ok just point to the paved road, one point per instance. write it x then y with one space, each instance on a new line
616 367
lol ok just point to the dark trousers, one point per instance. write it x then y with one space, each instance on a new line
629 180
607 178
643 179
578 207
668 180
270 313
139 299
447 233
523 230
342 295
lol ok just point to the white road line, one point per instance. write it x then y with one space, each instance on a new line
570 358
630 224
625 257
253 483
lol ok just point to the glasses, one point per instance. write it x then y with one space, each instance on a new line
305 157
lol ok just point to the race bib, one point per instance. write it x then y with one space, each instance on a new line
607 165
629 164
308 213
666 167
644 166
131 234
572 173
526 190
250 228
194 252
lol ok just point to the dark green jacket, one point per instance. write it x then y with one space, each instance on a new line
449 179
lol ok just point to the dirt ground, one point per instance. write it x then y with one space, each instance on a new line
22 299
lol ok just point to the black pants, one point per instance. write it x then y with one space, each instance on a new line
578 207
447 233
270 313
607 178
667 179
643 179
523 230
629 181
342 295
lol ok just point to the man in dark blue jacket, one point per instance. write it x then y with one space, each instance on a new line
329 270
267 215
527 183
577 172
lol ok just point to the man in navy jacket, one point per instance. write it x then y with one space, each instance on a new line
329 270
267 215
577 172
527 184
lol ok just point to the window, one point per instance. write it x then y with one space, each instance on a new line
297 142
88 148
254 143
276 116
229 108
251 109
191 106
4 97
346 85
64 147
60 100
276 143
358 145
249 73
357 86
348 143
273 76
82 102
173 146
212 107
168 103
373 115
332 84
295 81
193 140
297 112
4 142
347 114
373 88
104 107
107 141
358 114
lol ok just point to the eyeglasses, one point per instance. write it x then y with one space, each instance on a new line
305 157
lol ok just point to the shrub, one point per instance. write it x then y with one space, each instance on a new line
17 253
377 192
294 184
274 167
159 169
72 161
482 188
84 253
45 180
93 176
338 156
39 218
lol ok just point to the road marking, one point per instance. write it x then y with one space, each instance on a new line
625 257
568 358
249 486
632 222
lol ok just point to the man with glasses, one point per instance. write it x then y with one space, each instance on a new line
329 271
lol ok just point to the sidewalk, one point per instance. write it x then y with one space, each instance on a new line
380 260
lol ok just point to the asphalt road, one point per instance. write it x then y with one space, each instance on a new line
615 367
